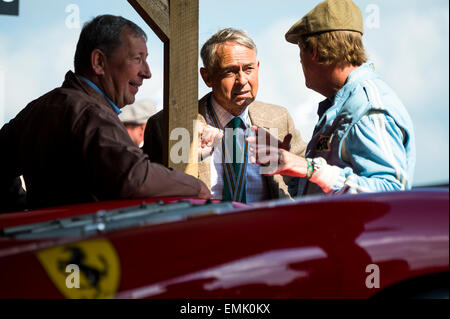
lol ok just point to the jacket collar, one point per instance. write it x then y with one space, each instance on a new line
360 72
74 81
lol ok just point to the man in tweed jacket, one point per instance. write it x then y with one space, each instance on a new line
231 70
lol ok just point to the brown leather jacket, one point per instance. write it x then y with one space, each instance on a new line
71 147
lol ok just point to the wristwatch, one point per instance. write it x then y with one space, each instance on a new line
309 168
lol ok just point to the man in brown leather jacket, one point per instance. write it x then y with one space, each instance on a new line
70 145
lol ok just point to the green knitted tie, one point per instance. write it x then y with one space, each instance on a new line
237 158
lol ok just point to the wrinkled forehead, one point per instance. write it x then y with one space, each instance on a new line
132 42
234 53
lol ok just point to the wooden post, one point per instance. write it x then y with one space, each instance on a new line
176 24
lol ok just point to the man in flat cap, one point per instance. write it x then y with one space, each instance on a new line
364 140
135 117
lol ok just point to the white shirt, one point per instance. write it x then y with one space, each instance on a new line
256 186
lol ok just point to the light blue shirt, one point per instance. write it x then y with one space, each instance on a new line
95 87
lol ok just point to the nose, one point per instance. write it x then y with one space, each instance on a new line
145 71
242 78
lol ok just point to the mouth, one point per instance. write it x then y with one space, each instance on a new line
241 93
135 86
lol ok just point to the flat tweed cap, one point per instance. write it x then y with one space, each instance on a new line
329 15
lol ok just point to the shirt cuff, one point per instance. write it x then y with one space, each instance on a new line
329 177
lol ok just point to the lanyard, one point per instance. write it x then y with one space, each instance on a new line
236 184
95 87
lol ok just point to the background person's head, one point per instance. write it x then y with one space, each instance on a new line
329 37
231 69
135 117
112 53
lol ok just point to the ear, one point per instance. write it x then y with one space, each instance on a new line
98 60
205 76
142 129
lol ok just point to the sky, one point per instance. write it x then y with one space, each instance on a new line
408 40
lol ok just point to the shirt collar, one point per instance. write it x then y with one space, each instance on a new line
323 107
225 117
95 87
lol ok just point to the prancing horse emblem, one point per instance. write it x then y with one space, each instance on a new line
93 274
98 268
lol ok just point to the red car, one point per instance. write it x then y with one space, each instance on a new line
355 246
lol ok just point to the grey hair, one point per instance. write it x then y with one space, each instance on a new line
103 33
208 51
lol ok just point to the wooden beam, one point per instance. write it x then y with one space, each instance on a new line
175 22
156 14
183 76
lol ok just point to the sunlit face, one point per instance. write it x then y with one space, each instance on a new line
306 61
234 79
136 133
125 70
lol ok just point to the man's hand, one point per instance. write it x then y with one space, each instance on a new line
204 191
261 133
266 141
274 157
208 138
278 161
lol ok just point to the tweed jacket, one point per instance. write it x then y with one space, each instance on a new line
261 114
